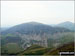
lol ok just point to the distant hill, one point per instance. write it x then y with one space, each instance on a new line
68 25
34 28
4 28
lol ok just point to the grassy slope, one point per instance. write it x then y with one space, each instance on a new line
33 50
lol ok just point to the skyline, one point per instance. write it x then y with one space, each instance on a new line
47 12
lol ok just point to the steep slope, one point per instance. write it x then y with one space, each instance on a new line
34 28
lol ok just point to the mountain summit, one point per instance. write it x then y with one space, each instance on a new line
34 23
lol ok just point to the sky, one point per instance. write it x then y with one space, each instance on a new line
47 12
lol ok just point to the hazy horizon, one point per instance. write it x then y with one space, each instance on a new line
47 12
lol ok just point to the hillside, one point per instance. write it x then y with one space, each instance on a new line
48 51
21 44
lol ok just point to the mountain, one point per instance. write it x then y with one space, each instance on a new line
68 25
27 36
34 28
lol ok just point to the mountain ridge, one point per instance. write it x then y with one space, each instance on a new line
34 27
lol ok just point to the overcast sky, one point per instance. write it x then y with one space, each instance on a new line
47 12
